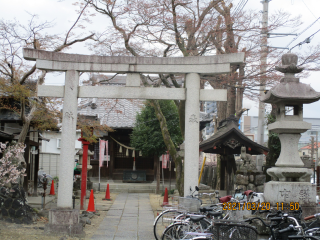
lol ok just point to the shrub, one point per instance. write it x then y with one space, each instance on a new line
10 171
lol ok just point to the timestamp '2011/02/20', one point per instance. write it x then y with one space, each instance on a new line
236 206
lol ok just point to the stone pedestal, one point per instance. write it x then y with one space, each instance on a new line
287 192
64 221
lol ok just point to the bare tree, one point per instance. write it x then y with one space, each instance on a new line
19 79
16 73
165 28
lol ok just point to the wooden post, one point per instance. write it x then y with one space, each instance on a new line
204 161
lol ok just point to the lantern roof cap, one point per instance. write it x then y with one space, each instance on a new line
290 89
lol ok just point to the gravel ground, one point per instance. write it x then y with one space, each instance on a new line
35 231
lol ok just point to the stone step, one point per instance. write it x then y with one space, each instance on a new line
141 190
95 185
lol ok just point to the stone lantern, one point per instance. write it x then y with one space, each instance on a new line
89 167
80 153
291 181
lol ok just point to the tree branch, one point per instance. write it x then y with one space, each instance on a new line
65 40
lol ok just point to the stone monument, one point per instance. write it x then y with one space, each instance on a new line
290 180
248 177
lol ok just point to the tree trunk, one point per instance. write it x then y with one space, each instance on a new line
158 176
167 138
221 110
231 103
182 114
24 131
240 89
218 181
170 146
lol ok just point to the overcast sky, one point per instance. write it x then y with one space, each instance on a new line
62 13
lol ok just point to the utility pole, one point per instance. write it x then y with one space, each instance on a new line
316 162
263 69
312 155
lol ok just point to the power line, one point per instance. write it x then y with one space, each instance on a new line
303 31
239 7
236 7
307 40
308 8
242 6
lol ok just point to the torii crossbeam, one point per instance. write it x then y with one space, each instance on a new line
72 64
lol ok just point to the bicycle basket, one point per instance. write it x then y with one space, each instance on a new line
228 229
191 204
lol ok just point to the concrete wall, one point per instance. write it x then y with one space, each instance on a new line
49 162
50 152
52 146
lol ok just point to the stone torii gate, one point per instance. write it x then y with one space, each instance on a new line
72 64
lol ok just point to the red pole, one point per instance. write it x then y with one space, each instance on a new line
84 173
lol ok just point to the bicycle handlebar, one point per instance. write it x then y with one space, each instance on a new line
309 217
287 229
276 219
312 216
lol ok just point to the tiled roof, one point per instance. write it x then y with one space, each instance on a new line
309 146
228 130
6 135
116 113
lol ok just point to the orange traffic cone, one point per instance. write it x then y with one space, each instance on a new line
165 198
107 197
91 207
52 188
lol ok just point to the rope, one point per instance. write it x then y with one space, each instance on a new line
131 148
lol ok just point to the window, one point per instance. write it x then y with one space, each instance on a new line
58 142
96 151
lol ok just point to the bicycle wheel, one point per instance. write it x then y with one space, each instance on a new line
162 221
176 231
187 230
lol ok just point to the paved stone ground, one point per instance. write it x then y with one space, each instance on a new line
130 217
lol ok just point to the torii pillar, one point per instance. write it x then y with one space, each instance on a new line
73 64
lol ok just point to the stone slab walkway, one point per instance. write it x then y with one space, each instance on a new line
130 217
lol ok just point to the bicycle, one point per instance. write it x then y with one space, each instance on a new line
277 231
167 217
